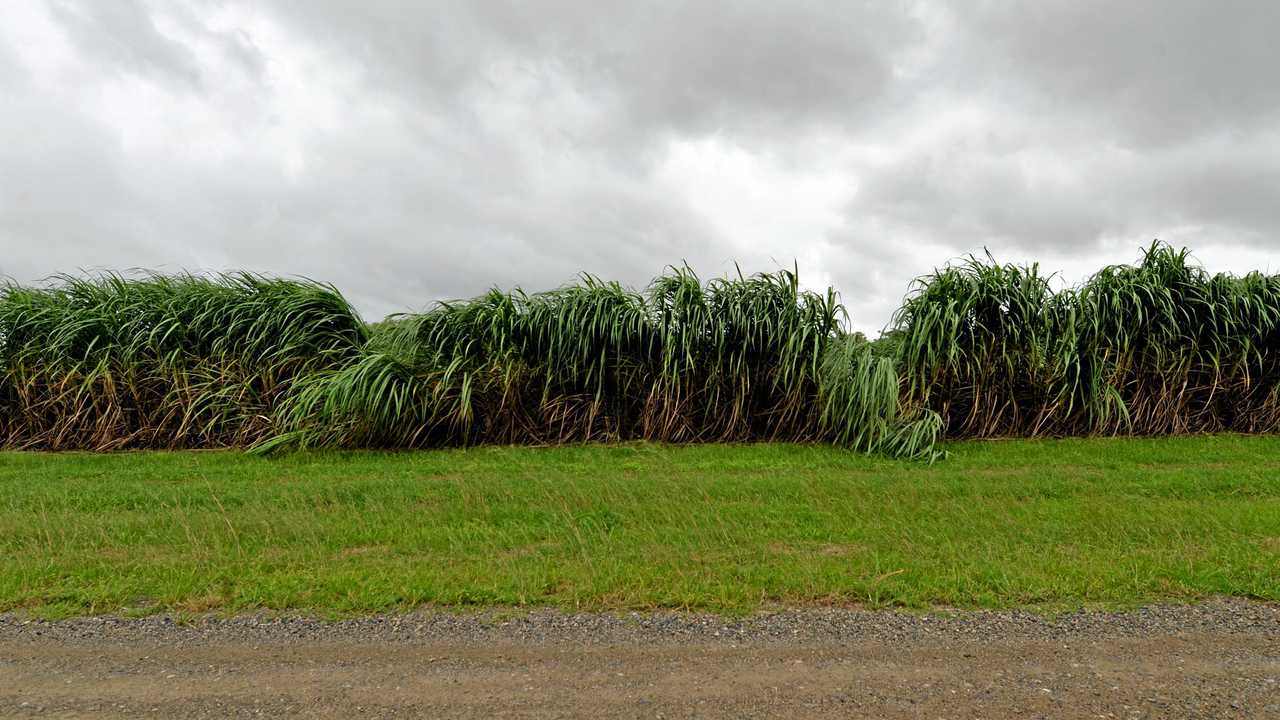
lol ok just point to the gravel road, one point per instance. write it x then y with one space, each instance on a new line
1216 660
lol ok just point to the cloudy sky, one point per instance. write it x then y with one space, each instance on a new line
411 151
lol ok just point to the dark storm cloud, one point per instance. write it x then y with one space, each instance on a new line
408 151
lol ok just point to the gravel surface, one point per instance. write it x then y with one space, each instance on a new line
1231 617
1219 659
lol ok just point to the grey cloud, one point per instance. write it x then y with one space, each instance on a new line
1137 74
412 151
661 66
123 35
1097 120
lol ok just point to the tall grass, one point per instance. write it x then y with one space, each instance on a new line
1152 348
749 358
978 349
108 362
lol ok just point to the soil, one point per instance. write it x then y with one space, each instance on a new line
1219 660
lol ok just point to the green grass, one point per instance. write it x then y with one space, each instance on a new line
728 528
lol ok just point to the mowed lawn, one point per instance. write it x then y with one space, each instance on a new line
728 528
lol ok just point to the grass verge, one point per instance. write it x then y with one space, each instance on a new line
727 528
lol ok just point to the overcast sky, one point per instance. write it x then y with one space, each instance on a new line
413 151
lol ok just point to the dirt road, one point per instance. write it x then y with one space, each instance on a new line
1215 661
